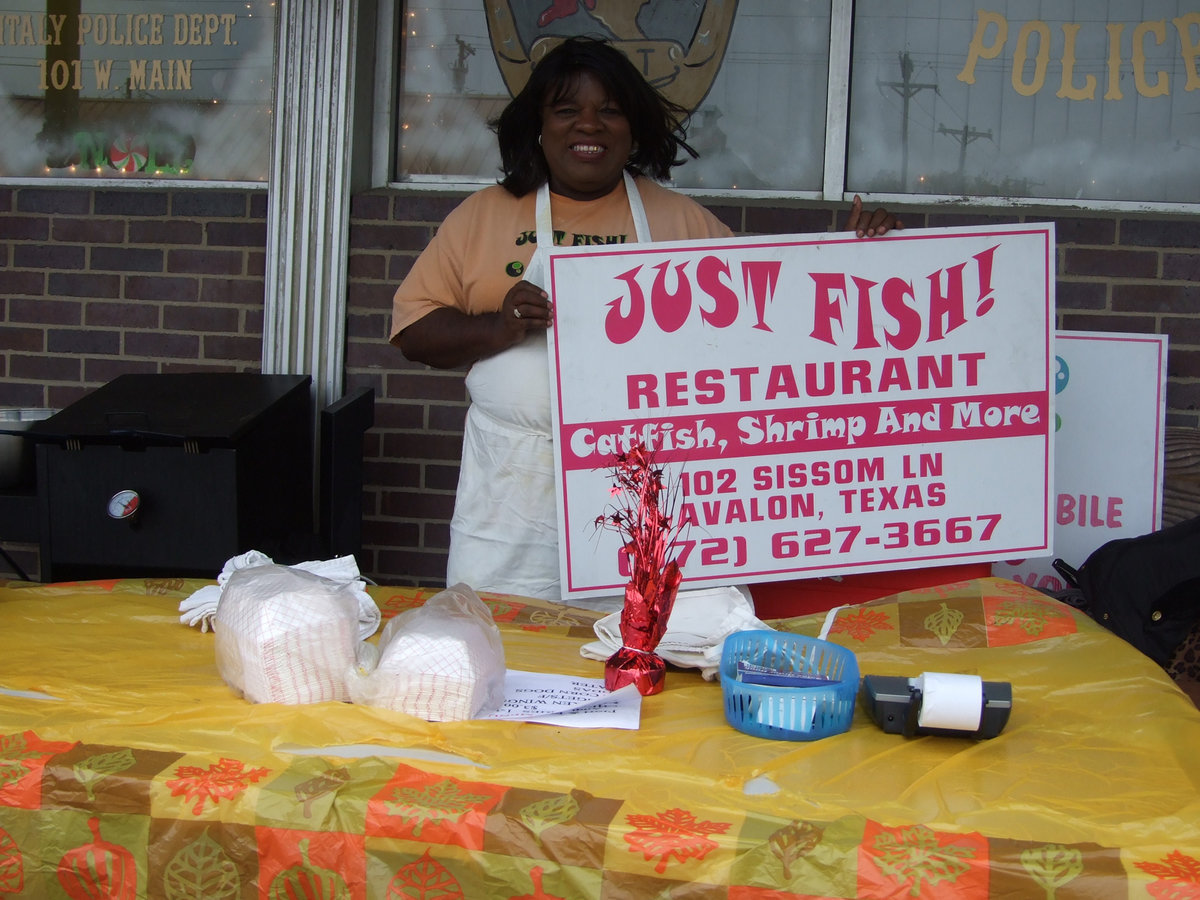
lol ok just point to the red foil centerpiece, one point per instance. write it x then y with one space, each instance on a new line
643 517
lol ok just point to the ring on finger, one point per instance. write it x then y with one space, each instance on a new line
517 311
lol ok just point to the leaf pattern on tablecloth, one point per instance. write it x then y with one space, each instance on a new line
794 841
535 876
99 869
308 882
94 769
949 589
1052 866
546 618
201 869
14 750
501 609
1005 587
944 622
319 785
164 586
12 866
220 781
1027 614
861 623
437 803
555 810
916 854
1177 874
424 878
392 606
672 833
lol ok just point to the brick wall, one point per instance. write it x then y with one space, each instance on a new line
94 283
99 283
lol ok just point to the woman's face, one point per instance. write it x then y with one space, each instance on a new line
586 140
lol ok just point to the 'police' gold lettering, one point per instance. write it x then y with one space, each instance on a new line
1032 52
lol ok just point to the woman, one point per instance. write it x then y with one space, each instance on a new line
580 146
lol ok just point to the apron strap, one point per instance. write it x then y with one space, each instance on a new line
641 225
545 228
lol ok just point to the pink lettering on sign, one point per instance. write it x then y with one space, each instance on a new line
859 312
1088 511
649 390
727 435
703 286
845 305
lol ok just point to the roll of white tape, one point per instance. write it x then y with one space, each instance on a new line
950 701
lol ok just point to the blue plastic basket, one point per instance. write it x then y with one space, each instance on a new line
789 713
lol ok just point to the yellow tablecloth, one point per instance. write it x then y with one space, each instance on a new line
129 769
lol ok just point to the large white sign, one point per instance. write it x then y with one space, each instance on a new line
1108 450
825 404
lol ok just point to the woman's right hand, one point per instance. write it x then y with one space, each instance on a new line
448 338
526 308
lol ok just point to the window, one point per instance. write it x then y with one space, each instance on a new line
128 89
752 73
1056 99
1096 104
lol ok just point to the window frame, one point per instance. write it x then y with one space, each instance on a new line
834 187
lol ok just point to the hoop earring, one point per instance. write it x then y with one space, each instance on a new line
539 139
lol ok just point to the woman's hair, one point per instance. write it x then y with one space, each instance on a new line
657 125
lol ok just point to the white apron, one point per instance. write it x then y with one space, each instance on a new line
504 532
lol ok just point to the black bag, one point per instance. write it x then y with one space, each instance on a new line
1145 589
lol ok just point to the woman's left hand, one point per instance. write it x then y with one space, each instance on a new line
871 224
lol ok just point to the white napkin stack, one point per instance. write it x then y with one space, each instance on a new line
200 608
284 635
442 661
700 621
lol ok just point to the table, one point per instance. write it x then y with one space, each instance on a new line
146 777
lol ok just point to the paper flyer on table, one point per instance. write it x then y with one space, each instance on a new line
567 701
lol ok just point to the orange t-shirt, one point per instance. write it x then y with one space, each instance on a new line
484 246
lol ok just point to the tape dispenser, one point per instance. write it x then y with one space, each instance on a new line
938 703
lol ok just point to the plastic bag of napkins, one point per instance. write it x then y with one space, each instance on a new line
284 635
441 662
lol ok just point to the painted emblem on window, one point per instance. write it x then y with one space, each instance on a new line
677 47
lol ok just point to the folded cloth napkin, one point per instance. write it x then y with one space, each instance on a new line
700 621
200 607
